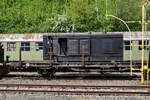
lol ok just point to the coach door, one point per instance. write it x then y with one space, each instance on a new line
73 47
78 47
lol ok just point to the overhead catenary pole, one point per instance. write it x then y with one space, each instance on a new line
124 22
143 31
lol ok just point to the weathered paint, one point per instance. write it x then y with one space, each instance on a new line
39 37
135 36
20 37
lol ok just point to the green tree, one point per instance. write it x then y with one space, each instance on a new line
83 16
39 16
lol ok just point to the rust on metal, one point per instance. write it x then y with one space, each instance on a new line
80 92
20 57
38 37
83 62
76 86
103 92
20 37
50 56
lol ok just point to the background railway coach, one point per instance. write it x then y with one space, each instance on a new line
31 46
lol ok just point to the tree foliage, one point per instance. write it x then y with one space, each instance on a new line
40 16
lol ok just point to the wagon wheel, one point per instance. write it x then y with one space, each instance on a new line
51 73
49 76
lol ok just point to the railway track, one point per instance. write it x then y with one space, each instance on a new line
75 89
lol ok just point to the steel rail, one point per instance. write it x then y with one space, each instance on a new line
79 92
73 86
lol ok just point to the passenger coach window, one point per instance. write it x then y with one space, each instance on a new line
127 45
38 46
11 46
25 46
140 44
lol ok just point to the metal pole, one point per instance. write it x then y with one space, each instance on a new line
130 39
82 55
143 33
50 56
20 63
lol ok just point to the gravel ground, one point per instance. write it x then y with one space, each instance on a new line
73 82
118 79
68 97
74 79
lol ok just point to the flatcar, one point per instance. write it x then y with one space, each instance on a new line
80 51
